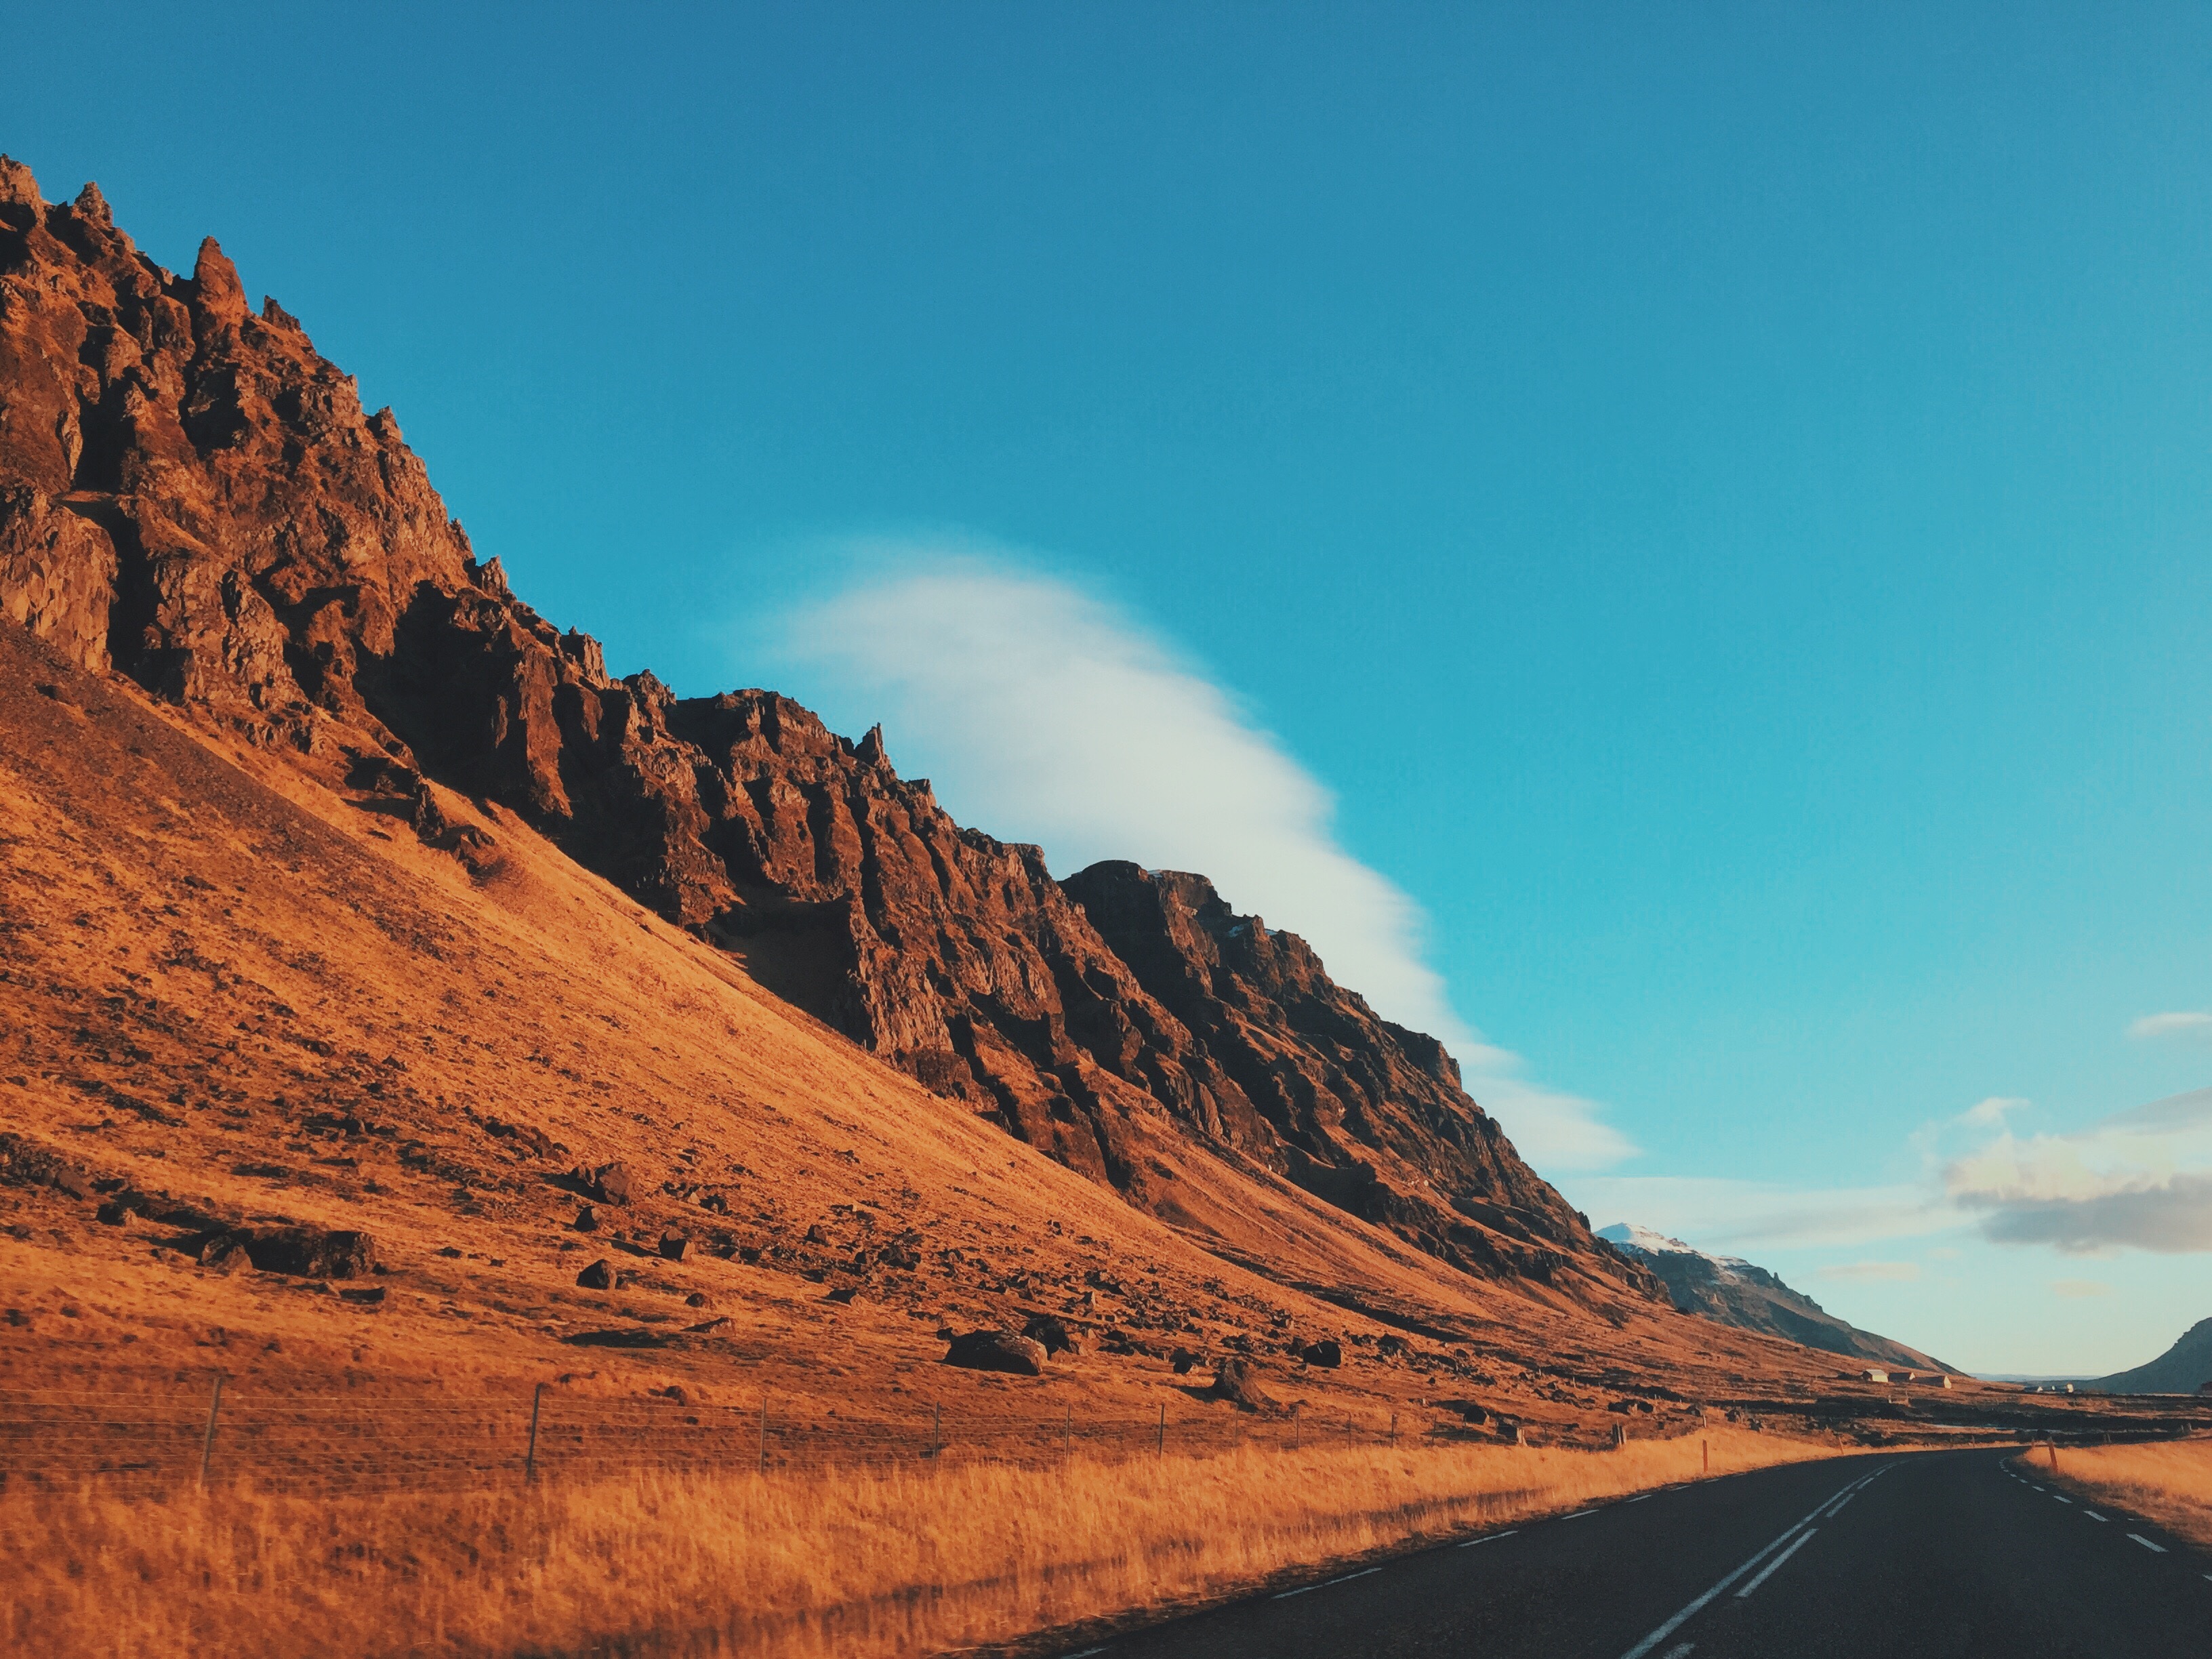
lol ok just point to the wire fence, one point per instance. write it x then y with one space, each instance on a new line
223 1435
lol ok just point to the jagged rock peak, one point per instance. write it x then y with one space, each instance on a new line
194 497
17 187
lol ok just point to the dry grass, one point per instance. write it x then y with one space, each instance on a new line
2168 1481
857 1563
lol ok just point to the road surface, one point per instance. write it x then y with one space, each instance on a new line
1892 1557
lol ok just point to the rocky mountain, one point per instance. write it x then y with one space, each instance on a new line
192 497
1735 1292
2182 1369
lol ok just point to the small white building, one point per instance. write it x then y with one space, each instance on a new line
1871 1375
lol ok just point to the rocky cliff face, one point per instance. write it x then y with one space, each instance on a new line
190 496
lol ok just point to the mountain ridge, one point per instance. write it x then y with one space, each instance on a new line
192 497
1738 1292
2182 1369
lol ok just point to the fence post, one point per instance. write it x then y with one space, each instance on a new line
530 1457
1706 1455
207 1446
1160 1449
1620 1436
763 1434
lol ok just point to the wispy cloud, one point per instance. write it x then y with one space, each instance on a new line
1863 1272
1042 712
2185 1023
1990 1113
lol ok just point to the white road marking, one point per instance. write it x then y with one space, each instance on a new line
2155 1549
2092 1515
1698 1606
1578 1515
1491 1537
1284 1595
1679 1650
1804 1539
1638 1499
1086 1653
2062 1498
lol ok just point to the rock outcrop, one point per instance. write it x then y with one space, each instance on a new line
191 496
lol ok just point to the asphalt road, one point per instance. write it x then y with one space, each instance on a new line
1933 1553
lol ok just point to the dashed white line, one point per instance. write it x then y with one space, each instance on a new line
1804 1539
1638 1499
1578 1515
1490 1537
1698 1606
2092 1515
2155 1549
1679 1650
2062 1498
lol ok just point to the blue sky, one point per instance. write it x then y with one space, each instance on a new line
1718 501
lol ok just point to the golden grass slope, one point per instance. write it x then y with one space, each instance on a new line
853 1563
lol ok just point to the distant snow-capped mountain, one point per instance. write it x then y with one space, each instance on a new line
1734 1292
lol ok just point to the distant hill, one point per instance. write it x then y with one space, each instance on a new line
2182 1369
1735 1292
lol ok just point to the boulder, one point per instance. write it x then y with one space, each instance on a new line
115 1213
587 1221
674 1246
1183 1360
600 1276
224 1253
609 1183
1472 1414
1049 1334
997 1350
1237 1382
312 1252
1328 1353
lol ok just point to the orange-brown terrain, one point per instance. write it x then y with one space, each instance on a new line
376 968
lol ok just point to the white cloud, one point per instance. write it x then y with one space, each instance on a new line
1863 1272
1990 1113
1043 714
2141 1178
2182 1024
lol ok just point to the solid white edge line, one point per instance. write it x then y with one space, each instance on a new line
2156 1549
1804 1539
1284 1595
1490 1537
1698 1606
1639 1498
1578 1515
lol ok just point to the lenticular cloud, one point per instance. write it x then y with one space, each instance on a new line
1043 714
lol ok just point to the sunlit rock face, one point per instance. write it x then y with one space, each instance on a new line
191 496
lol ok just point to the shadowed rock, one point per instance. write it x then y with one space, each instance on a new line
997 1350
